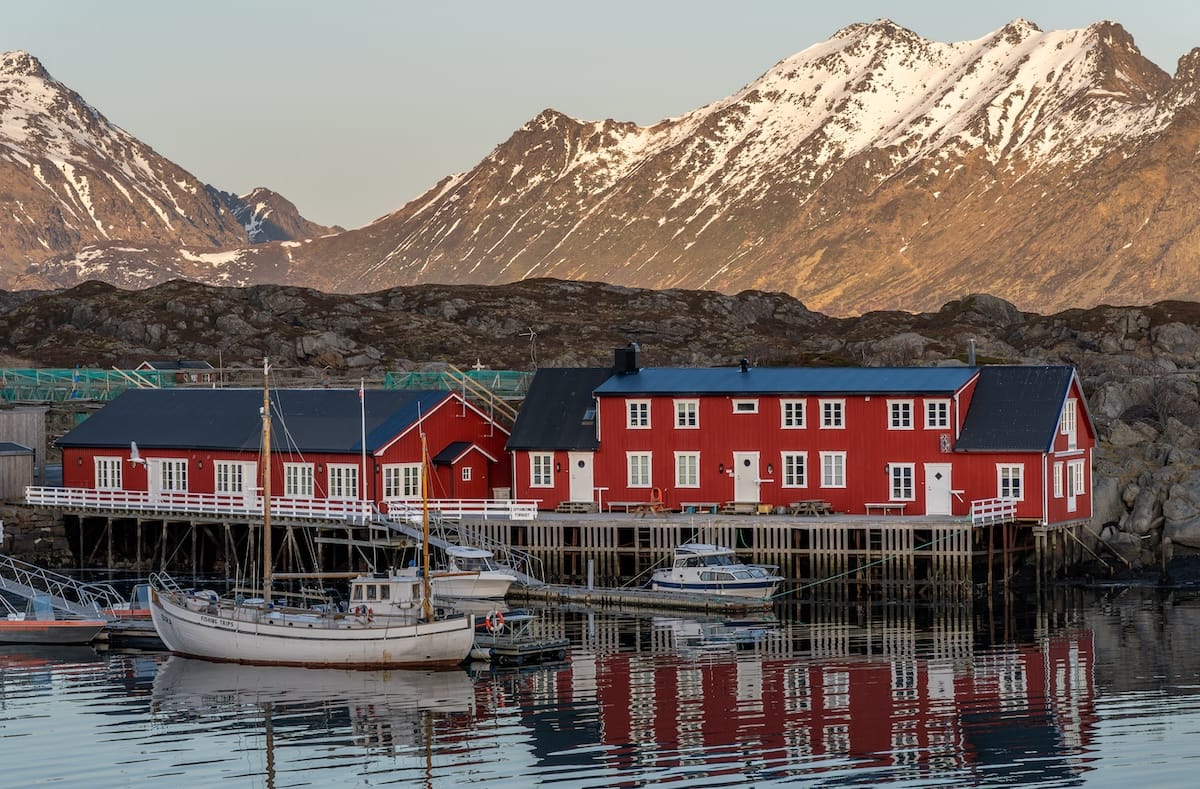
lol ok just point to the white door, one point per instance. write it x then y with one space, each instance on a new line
1074 471
745 476
937 488
154 477
583 485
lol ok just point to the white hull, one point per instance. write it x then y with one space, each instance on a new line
249 634
474 586
730 589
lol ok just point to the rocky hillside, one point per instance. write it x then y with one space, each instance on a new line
875 170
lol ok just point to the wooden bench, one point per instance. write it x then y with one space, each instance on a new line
810 507
884 507
700 506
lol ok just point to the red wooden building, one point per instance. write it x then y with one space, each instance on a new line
921 440
326 444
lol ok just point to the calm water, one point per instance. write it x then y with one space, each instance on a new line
1097 688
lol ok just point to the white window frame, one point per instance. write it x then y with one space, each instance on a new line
1058 480
902 476
900 414
1008 477
639 469
299 480
637 414
108 473
792 414
937 414
465 474
1070 422
541 469
833 469
229 476
833 414
687 469
174 474
745 406
687 414
793 468
1080 476
341 480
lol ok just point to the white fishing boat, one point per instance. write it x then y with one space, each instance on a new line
703 568
469 574
258 630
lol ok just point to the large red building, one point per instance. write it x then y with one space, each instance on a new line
923 440
326 444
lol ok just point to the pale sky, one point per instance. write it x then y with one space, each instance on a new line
352 108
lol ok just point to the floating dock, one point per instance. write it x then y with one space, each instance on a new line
628 597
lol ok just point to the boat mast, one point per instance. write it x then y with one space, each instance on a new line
426 593
266 486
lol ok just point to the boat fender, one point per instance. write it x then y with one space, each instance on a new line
370 615
495 621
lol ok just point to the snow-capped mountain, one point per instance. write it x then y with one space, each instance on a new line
75 184
874 170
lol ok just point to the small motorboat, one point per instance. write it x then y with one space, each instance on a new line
702 568
469 574
39 624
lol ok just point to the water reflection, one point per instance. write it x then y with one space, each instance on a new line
1053 692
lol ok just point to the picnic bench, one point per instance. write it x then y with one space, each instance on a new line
884 507
641 508
810 507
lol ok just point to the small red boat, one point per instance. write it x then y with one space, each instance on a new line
38 624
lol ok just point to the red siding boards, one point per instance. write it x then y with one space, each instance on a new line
452 420
871 445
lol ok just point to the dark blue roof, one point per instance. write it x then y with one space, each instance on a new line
13 448
1016 409
559 411
304 420
788 380
453 451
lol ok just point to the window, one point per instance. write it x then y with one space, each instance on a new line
795 469
687 469
687 413
1058 480
298 480
230 477
833 469
1075 474
541 469
638 412
902 481
639 469
174 475
791 413
900 414
745 406
937 414
108 473
343 481
1070 421
466 474
402 481
832 414
1010 480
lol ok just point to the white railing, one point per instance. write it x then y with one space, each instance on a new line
513 509
343 510
985 511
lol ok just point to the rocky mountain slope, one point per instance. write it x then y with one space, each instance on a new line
75 184
875 170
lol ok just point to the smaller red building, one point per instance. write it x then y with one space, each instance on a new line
921 440
326 444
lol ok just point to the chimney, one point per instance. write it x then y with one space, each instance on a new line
745 365
626 360
971 352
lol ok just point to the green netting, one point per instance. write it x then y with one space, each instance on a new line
38 385
503 383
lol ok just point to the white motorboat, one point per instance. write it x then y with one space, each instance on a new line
703 568
257 630
469 574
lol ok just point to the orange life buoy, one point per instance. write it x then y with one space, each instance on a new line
495 621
